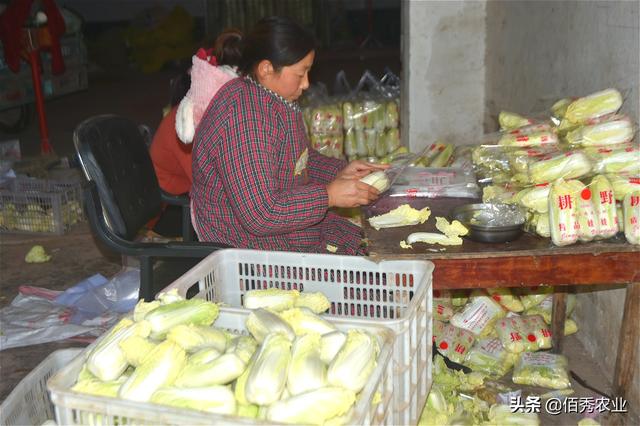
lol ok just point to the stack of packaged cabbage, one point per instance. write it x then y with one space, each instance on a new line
293 367
492 333
577 172
365 129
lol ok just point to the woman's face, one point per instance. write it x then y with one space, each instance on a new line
290 81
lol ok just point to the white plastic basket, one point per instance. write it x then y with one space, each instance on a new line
72 408
29 403
396 294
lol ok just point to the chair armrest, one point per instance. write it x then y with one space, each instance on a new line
133 248
176 200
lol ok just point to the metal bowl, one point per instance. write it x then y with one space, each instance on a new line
491 223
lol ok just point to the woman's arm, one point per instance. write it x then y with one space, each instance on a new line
323 169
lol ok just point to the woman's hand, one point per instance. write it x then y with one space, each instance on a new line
345 192
358 169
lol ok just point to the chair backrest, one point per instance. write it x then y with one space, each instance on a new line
114 155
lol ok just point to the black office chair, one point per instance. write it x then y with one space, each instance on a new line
122 194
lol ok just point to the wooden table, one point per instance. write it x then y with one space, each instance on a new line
528 261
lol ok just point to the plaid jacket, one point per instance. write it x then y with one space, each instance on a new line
257 183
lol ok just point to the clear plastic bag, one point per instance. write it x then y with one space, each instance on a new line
489 356
435 183
479 315
542 369
454 342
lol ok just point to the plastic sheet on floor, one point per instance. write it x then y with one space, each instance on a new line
39 315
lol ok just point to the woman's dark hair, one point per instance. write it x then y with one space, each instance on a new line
279 40
227 49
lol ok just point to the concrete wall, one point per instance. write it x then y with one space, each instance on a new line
443 71
540 51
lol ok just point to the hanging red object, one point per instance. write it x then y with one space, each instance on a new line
22 40
34 62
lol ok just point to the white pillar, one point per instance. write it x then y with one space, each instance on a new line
443 62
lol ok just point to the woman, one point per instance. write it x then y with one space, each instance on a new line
171 157
256 182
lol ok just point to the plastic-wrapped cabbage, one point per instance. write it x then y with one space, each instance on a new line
542 225
559 108
459 297
371 141
506 299
501 194
544 308
605 206
563 220
539 331
350 144
392 114
594 105
443 158
479 315
535 198
488 356
623 185
525 140
567 166
511 120
588 227
620 159
542 369
631 209
532 296
617 131
442 306
454 342
326 119
521 159
513 335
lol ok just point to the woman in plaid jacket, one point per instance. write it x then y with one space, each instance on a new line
257 183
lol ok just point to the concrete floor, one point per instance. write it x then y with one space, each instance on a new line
77 256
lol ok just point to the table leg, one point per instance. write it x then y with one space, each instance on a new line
627 357
558 317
